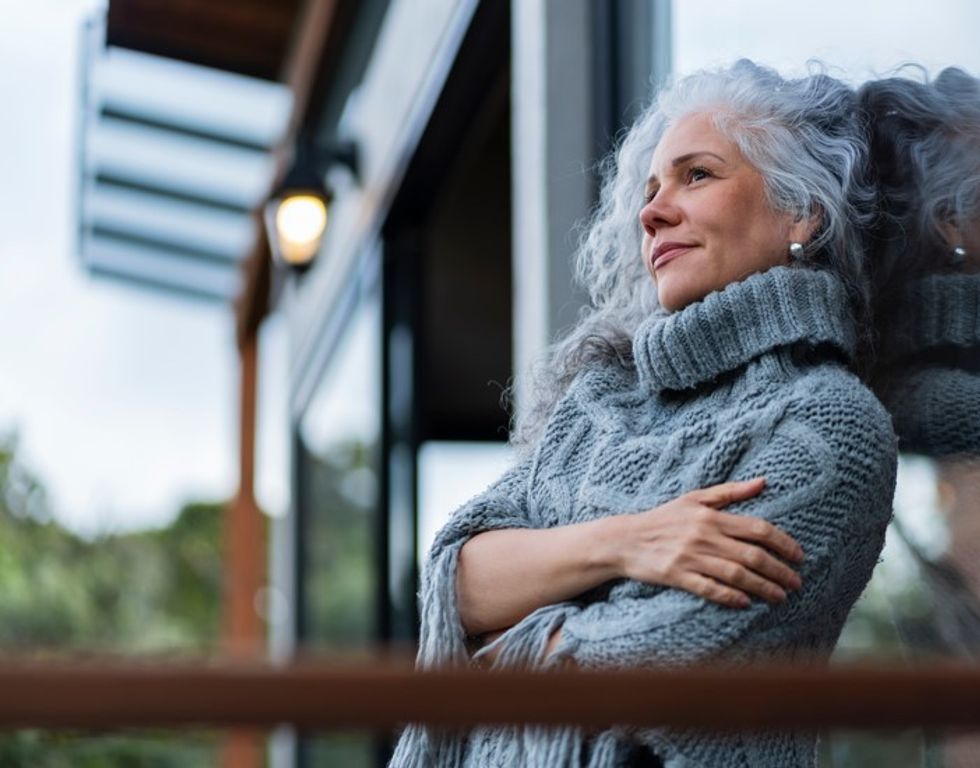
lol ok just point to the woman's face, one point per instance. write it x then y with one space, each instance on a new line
706 221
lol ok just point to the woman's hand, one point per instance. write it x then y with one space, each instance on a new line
690 544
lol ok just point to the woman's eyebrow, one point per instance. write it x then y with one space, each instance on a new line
680 160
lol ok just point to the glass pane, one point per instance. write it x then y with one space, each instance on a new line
340 434
338 499
450 473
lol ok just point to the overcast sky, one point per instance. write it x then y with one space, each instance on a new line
125 400
857 38
122 398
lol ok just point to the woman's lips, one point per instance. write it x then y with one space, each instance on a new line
669 254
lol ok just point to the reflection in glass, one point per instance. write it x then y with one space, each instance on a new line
924 247
451 473
339 438
339 434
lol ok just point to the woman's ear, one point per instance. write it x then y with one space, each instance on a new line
951 233
802 229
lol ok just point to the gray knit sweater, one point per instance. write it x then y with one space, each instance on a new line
934 399
749 381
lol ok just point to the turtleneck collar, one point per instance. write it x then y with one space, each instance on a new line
933 311
730 327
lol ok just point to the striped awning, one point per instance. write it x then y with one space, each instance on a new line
173 159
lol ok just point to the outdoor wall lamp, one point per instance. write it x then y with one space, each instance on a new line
297 211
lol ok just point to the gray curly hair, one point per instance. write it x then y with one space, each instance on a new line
806 139
925 152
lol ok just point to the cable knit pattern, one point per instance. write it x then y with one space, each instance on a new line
747 382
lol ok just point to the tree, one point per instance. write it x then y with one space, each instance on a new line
144 592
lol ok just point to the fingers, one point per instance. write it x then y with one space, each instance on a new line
746 527
743 526
728 583
745 579
734 542
712 590
761 531
763 563
728 493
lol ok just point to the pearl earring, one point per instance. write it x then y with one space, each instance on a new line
959 254
796 250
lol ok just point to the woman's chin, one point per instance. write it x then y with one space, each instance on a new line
674 297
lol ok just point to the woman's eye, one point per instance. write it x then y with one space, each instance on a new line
648 196
697 173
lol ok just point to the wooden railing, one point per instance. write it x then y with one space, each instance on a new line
383 695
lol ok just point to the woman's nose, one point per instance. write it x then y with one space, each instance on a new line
659 212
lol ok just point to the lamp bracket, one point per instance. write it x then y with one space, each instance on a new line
337 152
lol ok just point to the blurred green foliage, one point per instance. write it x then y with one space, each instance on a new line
342 569
155 591
45 749
341 494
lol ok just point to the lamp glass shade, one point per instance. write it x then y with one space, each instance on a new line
298 223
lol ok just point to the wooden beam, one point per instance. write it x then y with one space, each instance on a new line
244 529
250 37
242 749
303 65
244 558
383 695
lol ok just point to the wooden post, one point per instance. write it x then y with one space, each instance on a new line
245 547
244 566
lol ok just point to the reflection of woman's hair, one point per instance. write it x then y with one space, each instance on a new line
805 138
925 148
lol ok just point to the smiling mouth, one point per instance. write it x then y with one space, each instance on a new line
670 254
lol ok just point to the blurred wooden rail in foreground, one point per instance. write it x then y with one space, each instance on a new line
383 695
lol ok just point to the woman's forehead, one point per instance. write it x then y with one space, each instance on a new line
693 133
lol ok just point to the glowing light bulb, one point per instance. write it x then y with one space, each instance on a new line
300 223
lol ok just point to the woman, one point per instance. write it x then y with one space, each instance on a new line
715 371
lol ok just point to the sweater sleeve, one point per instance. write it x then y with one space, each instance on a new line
936 409
504 504
830 465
